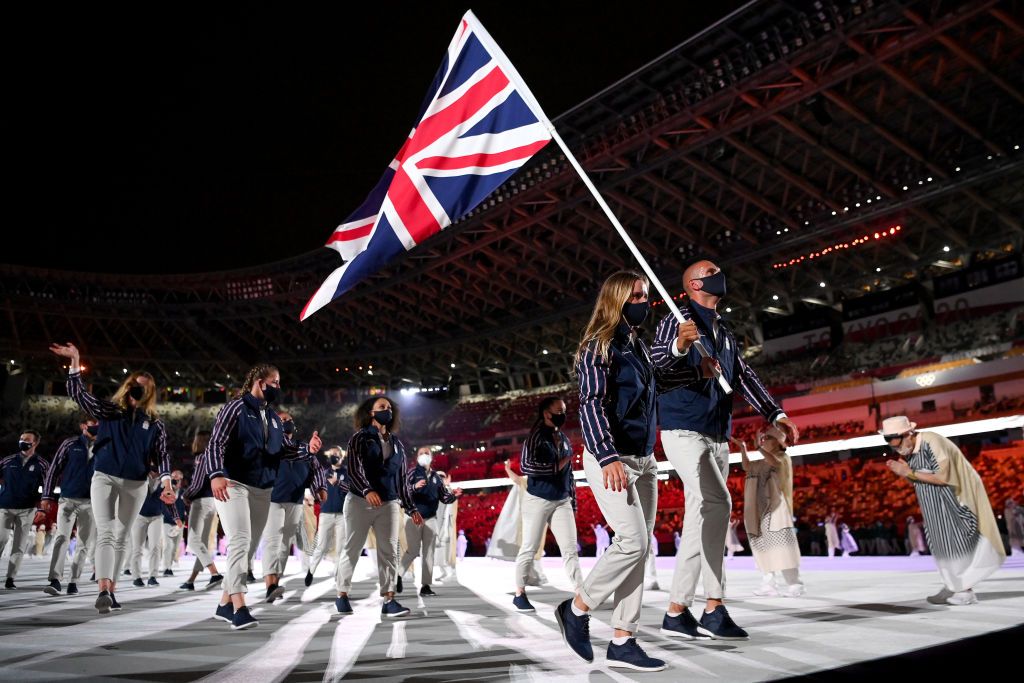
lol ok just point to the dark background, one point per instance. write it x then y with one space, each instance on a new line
185 142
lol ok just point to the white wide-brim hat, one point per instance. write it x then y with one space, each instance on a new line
896 425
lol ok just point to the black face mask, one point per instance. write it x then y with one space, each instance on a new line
137 392
635 314
383 417
289 427
24 445
174 482
93 430
714 284
335 460
558 419
271 394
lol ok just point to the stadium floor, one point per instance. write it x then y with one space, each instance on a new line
859 616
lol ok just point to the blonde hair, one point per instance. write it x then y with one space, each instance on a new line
261 371
148 402
615 292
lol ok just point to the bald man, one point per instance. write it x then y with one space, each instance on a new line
696 422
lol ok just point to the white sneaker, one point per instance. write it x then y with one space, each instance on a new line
766 590
966 597
941 597
794 591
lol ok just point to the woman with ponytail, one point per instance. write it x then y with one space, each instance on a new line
245 450
129 438
550 497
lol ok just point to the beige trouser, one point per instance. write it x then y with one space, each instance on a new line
18 521
420 540
148 532
330 531
202 518
243 516
620 570
115 507
284 523
69 512
538 514
385 521
703 465
172 539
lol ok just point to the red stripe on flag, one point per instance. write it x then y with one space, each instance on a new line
443 122
350 234
482 160
410 207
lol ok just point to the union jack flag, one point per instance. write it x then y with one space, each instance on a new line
478 124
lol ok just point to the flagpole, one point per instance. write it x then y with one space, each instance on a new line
698 344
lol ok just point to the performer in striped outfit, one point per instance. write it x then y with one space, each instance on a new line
958 518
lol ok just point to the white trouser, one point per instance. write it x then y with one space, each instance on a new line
243 516
420 541
385 521
115 506
284 523
538 514
69 512
148 532
703 465
202 518
16 526
620 570
172 537
331 531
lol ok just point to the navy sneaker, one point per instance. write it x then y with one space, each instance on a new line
274 592
187 586
115 606
225 612
152 581
343 605
391 610
9 584
720 626
127 572
684 626
103 602
139 583
72 589
427 592
249 577
53 588
398 584
575 631
631 656
243 619
93 577
168 572
215 581
309 579
522 604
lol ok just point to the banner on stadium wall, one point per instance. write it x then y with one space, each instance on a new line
809 328
818 338
894 311
979 277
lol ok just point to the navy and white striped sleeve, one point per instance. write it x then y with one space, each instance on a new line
5 462
447 495
198 479
357 480
405 490
538 458
56 469
318 474
223 428
593 374
671 370
160 449
754 391
95 407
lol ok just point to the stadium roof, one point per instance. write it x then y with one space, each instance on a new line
780 132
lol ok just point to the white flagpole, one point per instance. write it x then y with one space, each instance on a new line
531 101
699 344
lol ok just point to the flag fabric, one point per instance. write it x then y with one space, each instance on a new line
478 125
